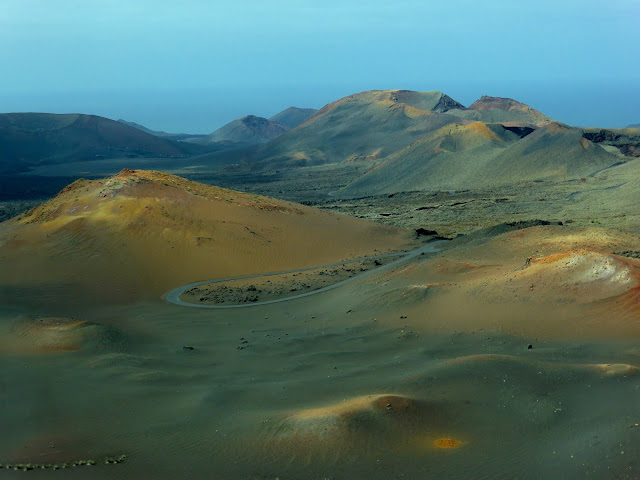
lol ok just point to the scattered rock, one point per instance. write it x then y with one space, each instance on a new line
421 232
629 253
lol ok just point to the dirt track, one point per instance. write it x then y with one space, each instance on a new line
174 295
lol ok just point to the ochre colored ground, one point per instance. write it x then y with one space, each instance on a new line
139 234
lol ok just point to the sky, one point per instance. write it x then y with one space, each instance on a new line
193 65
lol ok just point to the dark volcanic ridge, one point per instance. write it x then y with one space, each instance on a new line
160 133
31 139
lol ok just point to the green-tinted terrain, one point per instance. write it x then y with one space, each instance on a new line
507 350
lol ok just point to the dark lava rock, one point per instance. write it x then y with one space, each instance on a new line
422 232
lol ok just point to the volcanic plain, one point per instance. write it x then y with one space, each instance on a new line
458 297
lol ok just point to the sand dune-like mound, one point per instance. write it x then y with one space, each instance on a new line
360 426
614 369
55 451
50 335
139 234
602 369
543 286
543 280
573 276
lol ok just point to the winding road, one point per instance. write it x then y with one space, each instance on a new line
174 295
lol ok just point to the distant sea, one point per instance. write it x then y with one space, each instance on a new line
203 110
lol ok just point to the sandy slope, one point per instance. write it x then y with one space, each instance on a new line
418 371
138 234
541 281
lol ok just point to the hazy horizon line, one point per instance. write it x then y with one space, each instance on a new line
202 110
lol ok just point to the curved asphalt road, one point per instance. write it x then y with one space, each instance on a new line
174 295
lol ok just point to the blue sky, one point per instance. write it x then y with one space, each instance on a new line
194 65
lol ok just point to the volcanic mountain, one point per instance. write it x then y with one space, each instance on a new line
374 125
140 233
497 109
366 125
485 155
293 116
30 139
249 130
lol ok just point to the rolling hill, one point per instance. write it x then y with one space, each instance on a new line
31 139
140 233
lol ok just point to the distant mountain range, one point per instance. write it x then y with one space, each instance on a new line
392 140
29 140
376 124
248 130
429 141
634 125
